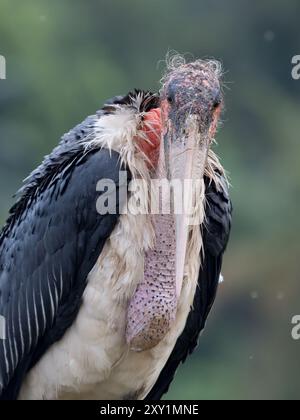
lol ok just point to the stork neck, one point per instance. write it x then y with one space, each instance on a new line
152 309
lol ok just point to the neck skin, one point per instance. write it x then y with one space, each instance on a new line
153 307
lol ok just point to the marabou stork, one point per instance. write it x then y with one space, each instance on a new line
107 305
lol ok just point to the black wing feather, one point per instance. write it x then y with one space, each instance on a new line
215 238
50 244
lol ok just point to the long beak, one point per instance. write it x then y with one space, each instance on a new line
186 160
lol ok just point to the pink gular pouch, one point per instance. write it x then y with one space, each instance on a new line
153 306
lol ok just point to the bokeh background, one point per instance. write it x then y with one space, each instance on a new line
64 58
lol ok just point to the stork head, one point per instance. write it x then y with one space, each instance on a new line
191 102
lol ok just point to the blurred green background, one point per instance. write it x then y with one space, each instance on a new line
64 58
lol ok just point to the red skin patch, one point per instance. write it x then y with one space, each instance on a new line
214 124
152 126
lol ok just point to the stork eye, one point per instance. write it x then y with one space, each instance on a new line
217 103
171 98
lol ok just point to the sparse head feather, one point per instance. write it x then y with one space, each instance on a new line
176 63
192 88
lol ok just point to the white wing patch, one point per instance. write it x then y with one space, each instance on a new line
21 329
42 305
51 299
35 317
28 322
